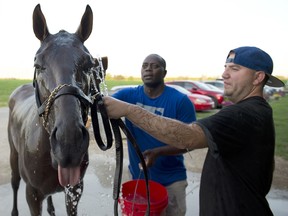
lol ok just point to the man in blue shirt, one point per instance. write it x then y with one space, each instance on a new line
166 163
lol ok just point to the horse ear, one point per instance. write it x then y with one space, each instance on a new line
86 25
39 24
105 62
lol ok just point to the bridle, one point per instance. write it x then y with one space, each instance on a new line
95 101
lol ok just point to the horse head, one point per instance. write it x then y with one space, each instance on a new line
62 82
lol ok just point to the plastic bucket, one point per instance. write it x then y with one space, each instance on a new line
133 201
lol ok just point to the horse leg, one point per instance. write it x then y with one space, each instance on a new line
34 199
72 198
15 178
50 206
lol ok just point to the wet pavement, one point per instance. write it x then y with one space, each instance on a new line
98 183
97 196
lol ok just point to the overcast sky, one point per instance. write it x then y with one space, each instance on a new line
194 37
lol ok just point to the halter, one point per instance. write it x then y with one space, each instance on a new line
50 100
62 89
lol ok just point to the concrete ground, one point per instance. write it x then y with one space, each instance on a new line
98 182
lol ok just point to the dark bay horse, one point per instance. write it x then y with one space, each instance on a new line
46 129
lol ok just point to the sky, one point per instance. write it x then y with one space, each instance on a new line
193 36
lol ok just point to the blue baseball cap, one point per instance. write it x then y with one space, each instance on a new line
255 59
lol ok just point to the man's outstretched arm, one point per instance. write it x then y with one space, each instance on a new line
169 131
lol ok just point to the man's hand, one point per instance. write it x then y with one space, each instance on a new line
150 156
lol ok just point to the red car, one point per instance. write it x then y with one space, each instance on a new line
201 102
198 87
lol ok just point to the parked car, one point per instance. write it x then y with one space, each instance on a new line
218 83
212 87
198 87
117 88
201 102
226 101
273 92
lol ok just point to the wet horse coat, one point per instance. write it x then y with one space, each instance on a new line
50 151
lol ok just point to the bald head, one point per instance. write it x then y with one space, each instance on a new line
158 58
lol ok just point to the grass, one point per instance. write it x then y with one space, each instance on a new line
280 114
280 110
6 88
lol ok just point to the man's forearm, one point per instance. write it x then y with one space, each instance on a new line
169 131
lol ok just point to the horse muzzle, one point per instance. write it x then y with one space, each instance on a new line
69 155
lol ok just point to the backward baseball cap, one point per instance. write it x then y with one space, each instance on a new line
255 59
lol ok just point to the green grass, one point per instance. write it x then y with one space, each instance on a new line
6 88
280 109
280 114
204 114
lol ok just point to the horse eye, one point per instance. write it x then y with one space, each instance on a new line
39 67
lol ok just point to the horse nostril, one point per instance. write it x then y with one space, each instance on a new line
53 140
68 149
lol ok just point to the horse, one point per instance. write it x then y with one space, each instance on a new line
46 128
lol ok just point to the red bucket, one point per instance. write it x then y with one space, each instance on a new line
133 200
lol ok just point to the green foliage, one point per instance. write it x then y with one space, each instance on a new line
119 77
108 76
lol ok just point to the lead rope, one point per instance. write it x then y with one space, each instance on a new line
98 105
141 158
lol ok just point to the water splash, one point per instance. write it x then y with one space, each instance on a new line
72 196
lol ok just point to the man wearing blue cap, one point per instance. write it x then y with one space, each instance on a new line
238 169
